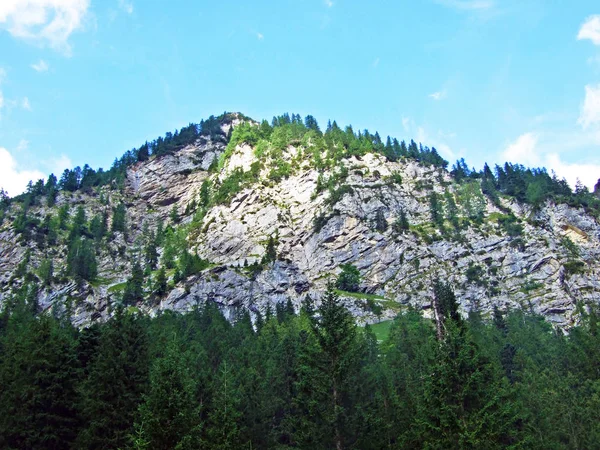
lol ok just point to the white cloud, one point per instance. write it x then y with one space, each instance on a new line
126 6
523 150
588 174
14 180
25 104
46 22
438 140
328 3
376 62
590 30
1 100
41 66
260 36
467 5
57 165
530 149
590 111
439 95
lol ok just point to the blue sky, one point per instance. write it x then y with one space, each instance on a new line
81 81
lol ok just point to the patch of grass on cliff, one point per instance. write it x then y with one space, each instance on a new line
115 288
530 286
243 133
100 281
336 194
426 232
235 183
574 267
359 295
376 303
382 329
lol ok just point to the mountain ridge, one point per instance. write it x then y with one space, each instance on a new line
319 201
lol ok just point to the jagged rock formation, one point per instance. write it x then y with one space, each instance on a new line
536 267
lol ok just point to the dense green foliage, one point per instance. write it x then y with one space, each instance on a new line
312 380
526 185
348 279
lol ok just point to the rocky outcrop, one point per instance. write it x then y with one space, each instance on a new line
486 266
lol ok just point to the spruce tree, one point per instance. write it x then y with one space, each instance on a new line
328 361
170 415
270 251
119 218
451 210
223 419
349 278
160 282
81 260
435 209
38 372
151 253
117 379
134 288
400 224
380 221
465 393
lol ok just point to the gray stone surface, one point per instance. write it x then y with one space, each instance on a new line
397 268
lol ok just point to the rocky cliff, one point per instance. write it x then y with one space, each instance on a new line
514 255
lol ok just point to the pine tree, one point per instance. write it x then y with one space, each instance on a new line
160 283
81 260
348 279
223 427
380 221
134 288
151 253
117 380
401 224
119 219
38 371
327 365
170 416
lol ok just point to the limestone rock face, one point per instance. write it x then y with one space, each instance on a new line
485 265
167 180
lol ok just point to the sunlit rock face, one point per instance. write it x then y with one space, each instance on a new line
314 237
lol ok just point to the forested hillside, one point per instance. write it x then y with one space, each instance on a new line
311 380
249 215
214 289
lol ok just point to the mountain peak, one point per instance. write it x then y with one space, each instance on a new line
248 214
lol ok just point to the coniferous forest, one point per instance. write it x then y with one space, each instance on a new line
307 379
187 264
